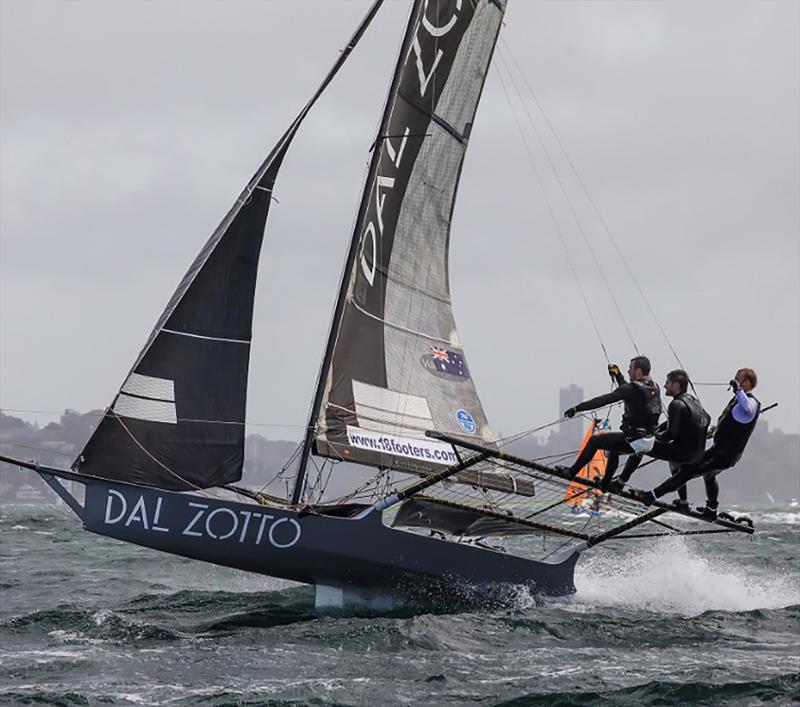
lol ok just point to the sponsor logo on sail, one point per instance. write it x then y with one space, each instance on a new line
466 422
427 55
411 448
446 364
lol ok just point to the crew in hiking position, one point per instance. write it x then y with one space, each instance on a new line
682 438
734 427
639 420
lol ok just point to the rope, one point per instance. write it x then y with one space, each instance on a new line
139 444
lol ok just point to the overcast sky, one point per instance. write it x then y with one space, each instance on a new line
129 128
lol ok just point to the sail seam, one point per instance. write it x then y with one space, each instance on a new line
208 338
401 328
146 397
392 412
112 413
410 429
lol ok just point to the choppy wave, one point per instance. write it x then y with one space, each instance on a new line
672 576
781 690
73 624
778 517
88 620
672 693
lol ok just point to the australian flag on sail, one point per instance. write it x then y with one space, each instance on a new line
448 362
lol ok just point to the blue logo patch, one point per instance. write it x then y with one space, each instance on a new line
466 421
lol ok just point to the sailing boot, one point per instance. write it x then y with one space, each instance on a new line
616 486
646 497
707 512
682 505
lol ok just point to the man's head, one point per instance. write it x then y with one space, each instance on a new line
639 368
677 382
747 379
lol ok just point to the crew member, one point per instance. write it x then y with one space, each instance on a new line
640 418
734 427
682 438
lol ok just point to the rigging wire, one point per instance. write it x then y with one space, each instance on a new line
68 455
567 199
554 218
101 413
599 215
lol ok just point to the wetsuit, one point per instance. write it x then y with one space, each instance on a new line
682 440
734 427
642 408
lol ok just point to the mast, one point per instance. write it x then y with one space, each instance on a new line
308 441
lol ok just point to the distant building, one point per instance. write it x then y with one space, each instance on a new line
570 432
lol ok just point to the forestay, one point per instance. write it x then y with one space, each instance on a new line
395 365
178 420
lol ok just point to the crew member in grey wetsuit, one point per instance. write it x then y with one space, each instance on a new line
734 427
642 404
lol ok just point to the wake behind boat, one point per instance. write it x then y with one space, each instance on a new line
394 394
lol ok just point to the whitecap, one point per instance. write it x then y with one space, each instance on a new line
670 576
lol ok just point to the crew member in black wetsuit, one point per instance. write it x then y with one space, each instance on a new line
682 438
734 427
639 420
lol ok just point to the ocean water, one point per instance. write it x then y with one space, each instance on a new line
86 620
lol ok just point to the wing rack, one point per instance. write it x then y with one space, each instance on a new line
483 511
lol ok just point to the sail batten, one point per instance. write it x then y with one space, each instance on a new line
394 327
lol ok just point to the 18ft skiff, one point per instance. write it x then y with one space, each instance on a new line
394 394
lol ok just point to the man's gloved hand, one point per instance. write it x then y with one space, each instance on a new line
734 384
711 430
570 412
613 370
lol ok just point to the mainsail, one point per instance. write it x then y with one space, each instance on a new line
395 365
178 421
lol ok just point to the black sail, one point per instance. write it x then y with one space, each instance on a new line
178 421
395 364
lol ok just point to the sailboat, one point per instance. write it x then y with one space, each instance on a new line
446 507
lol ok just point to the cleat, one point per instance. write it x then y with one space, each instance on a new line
706 512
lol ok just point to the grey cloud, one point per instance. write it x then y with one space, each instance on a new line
128 129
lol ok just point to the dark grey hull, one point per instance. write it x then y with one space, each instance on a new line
361 555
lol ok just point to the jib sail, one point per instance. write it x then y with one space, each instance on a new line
178 421
395 365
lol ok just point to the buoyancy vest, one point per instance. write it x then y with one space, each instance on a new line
732 436
640 418
692 435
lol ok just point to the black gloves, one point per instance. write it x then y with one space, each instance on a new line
615 373
734 384
570 412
